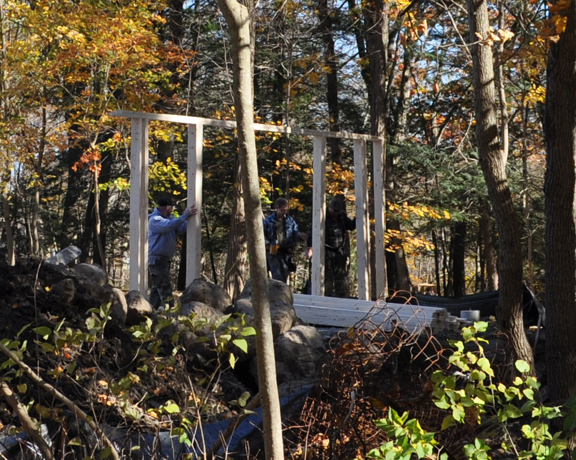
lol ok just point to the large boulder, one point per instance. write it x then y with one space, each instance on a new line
203 319
200 310
282 312
64 291
138 308
92 272
119 308
298 352
208 293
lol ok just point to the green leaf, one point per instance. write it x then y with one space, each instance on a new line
420 451
23 329
43 331
47 347
512 411
232 360
442 404
105 453
172 408
243 399
448 422
248 331
458 413
484 364
242 344
522 366
528 392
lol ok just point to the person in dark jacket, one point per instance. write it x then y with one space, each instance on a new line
281 235
337 252
163 229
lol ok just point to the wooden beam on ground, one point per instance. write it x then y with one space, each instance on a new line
335 312
194 232
362 219
318 215
139 205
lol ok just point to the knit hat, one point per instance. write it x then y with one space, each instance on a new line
165 201
336 204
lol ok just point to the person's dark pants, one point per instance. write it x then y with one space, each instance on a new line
336 282
278 264
160 284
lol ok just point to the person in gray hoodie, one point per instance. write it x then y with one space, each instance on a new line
163 229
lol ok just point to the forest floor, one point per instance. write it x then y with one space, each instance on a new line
149 385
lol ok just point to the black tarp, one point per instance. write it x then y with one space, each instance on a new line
486 302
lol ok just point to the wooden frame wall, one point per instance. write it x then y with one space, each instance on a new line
139 198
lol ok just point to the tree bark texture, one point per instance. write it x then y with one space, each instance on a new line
376 14
458 258
331 63
10 252
559 184
493 163
489 253
235 271
238 20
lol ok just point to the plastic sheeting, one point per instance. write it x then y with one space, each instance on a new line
486 302
135 445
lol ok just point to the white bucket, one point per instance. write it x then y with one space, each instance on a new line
470 315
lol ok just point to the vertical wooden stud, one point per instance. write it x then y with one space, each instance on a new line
139 205
378 160
362 219
318 215
194 233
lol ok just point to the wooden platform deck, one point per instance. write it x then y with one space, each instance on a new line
335 312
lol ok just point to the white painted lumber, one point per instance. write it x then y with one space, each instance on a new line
194 195
385 317
139 198
337 303
362 219
378 161
336 312
139 205
232 125
318 215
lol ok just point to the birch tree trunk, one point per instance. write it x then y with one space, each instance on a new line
238 19
559 184
493 163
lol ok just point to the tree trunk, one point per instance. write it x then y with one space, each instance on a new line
559 188
71 222
493 162
331 63
458 258
397 267
376 14
489 252
10 255
235 271
35 235
400 111
437 263
238 18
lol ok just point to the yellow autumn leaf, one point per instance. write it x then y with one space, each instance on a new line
560 24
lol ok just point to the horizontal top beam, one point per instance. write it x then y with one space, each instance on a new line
232 124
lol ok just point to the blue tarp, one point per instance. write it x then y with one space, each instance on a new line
135 445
